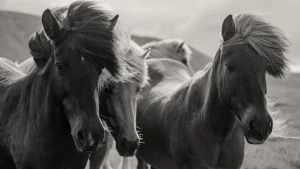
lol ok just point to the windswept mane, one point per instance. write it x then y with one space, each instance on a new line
266 39
135 67
92 37
166 48
9 72
89 31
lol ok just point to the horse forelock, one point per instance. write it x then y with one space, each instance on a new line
266 39
135 68
88 29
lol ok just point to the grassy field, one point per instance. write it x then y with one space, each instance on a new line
15 29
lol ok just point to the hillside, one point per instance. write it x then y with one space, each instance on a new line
16 28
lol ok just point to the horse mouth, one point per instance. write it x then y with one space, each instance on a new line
253 138
125 153
84 148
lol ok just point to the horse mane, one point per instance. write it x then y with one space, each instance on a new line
88 37
166 49
9 72
135 68
89 26
266 39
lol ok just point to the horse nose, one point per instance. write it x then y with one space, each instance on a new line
130 146
261 129
89 141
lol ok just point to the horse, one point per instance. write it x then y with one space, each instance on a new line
49 118
118 102
171 48
203 121
119 113
168 48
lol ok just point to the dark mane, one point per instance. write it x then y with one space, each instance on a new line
89 30
266 39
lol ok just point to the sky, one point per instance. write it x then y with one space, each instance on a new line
198 22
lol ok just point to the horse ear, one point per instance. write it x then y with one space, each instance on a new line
114 22
180 47
228 28
146 54
51 26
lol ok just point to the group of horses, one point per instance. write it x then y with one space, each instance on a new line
88 84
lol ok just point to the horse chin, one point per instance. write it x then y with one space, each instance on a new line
83 148
252 139
125 153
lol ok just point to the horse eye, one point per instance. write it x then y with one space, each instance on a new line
230 68
66 96
110 89
60 68
184 61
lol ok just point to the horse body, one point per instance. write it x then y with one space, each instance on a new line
168 128
201 121
169 48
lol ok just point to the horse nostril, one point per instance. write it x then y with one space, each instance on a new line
80 136
123 143
270 128
252 126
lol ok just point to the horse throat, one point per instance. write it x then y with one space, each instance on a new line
213 116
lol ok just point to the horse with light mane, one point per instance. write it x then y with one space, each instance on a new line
201 121
174 49
50 115
171 48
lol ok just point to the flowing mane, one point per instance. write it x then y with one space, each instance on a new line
132 67
135 68
266 39
88 26
9 72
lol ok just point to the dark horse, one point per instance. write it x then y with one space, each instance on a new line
117 98
201 121
50 116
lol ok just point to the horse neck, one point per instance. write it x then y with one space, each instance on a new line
28 102
202 105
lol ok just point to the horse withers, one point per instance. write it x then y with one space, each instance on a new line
201 121
50 116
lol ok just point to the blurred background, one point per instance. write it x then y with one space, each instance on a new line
198 23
